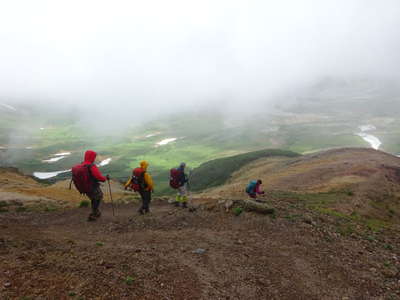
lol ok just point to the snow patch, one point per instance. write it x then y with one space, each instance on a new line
166 141
374 142
62 154
8 106
47 175
364 128
53 159
57 157
105 162
152 134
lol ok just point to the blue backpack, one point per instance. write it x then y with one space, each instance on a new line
251 187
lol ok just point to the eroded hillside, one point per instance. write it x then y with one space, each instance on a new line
20 192
334 234
365 181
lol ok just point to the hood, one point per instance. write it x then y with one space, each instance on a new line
90 156
144 164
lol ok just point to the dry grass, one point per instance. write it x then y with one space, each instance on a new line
27 190
370 178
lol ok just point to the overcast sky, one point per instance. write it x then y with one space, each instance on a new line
161 55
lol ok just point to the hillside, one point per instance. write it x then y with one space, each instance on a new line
326 116
353 181
23 193
216 172
334 235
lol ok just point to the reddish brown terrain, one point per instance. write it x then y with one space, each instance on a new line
311 248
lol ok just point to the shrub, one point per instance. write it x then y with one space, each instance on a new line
129 280
50 208
388 247
370 238
21 209
237 211
84 203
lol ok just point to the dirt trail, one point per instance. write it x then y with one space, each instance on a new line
59 255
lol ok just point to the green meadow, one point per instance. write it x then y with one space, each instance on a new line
200 137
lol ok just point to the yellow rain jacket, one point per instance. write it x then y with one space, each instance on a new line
147 178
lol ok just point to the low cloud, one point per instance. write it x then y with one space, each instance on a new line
142 59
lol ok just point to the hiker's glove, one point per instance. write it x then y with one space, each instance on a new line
108 177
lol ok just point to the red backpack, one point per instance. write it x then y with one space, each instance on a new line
137 182
82 178
174 177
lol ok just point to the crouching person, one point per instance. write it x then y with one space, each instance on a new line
87 177
253 188
142 183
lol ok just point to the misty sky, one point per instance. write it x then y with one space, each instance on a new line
163 55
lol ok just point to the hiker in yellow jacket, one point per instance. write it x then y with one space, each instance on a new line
142 183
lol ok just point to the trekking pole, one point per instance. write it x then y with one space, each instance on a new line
188 187
112 203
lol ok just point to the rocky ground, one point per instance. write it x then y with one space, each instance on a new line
335 234
209 253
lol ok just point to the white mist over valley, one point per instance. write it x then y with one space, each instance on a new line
185 81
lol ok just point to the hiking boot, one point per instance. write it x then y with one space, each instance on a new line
97 214
141 212
176 204
184 205
91 218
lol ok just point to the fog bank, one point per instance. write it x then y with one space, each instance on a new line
146 58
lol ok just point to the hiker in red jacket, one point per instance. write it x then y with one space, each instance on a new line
96 195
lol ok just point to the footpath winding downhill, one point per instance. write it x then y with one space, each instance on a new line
309 249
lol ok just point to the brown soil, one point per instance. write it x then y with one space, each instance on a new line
301 252
59 255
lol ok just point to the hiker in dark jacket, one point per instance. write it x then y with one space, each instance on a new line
182 198
96 195
253 188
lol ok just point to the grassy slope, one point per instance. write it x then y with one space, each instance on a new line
200 140
217 172
356 187
318 123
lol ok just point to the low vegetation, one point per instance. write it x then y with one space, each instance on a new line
201 137
84 203
216 172
237 211
313 224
